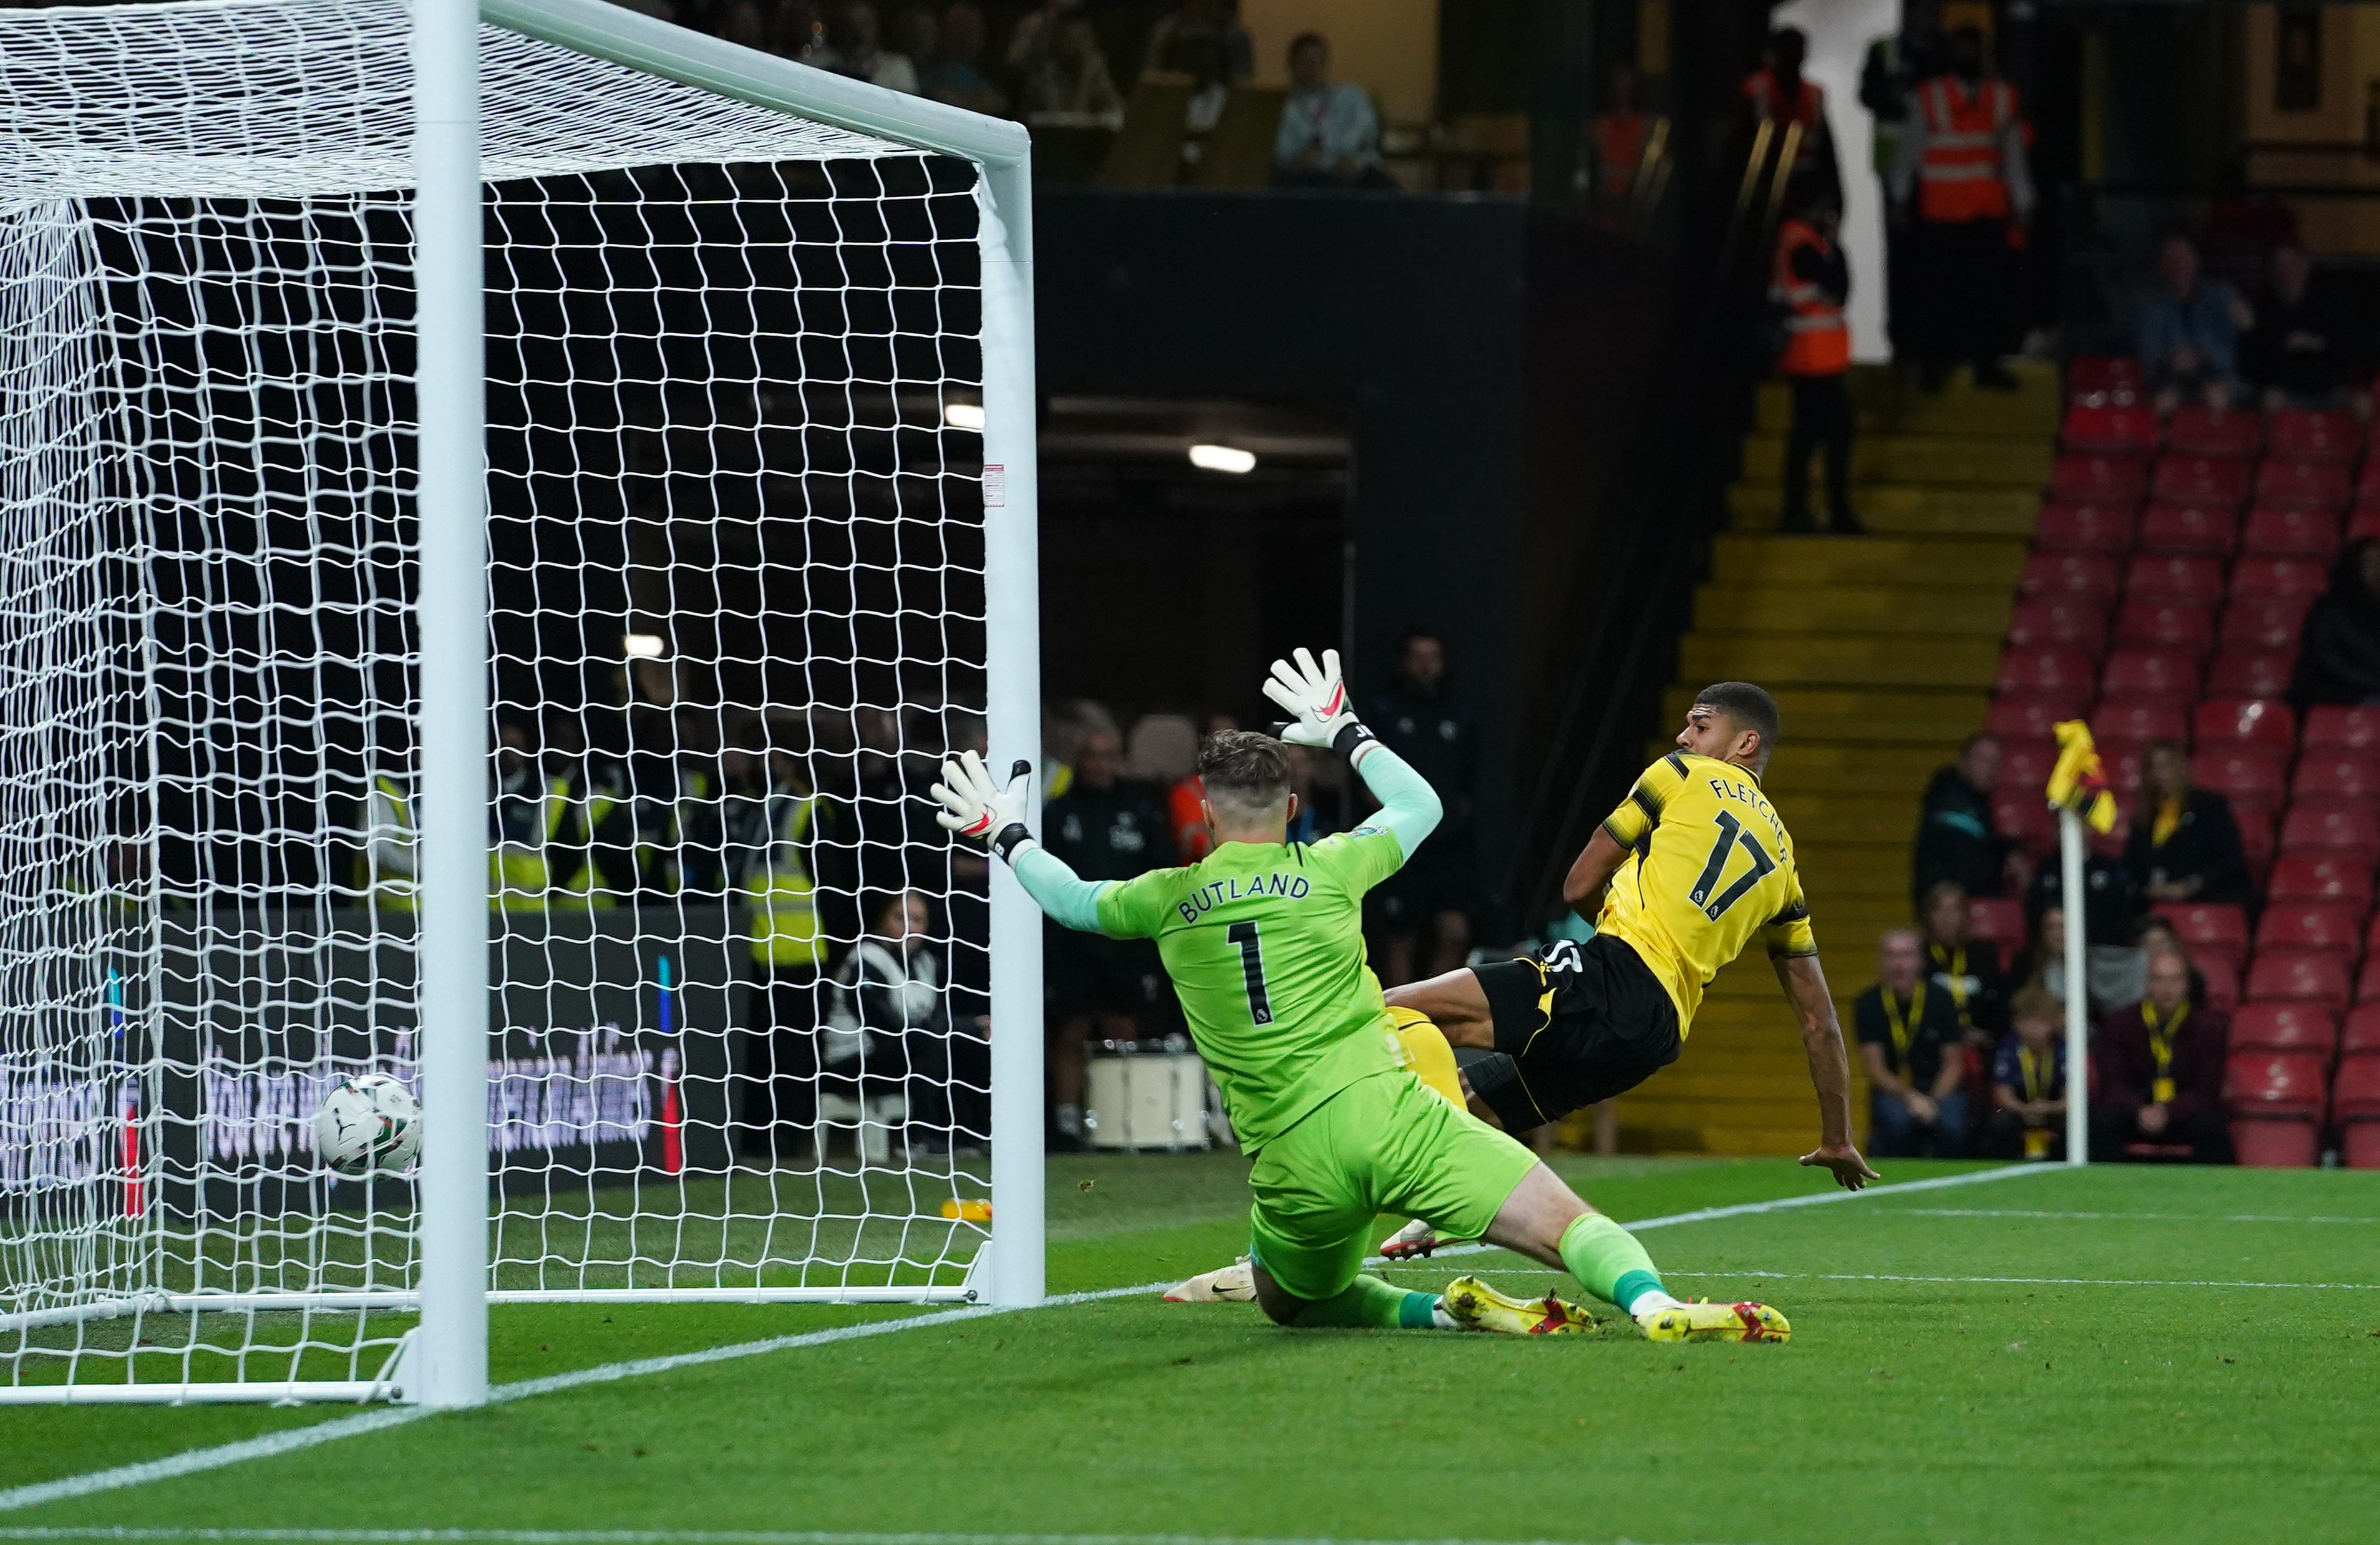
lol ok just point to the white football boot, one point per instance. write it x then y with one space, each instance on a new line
1235 1283
1413 1242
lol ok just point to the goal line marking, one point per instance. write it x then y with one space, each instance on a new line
291 1440
691 1536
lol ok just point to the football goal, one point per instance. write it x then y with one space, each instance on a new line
504 503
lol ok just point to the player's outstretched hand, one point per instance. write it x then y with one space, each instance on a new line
1315 696
1851 1170
974 806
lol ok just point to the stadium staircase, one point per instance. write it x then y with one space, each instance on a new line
1881 650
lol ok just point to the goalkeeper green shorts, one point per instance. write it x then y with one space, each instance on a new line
1383 1143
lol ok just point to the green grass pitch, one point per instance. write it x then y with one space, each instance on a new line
2110 1355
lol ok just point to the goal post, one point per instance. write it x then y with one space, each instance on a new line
382 385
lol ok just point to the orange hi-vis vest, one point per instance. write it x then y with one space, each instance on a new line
1620 140
1817 342
1808 107
1960 177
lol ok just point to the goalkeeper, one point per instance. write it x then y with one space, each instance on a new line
1263 940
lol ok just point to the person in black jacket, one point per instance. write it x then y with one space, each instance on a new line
2340 663
1420 916
1955 839
1965 970
2184 843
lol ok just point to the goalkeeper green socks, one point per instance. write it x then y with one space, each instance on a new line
1609 1263
1368 1301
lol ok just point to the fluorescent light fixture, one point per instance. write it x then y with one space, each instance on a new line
963 415
1223 459
642 645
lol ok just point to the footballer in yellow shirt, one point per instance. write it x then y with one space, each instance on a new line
1693 864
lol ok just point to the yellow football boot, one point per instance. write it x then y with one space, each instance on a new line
1477 1307
1705 1321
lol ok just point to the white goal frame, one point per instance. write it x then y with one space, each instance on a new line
443 1362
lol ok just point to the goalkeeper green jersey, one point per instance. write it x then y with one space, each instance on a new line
1265 944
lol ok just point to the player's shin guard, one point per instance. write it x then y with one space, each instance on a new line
1368 1301
1608 1262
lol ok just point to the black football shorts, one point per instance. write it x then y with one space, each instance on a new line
1578 1023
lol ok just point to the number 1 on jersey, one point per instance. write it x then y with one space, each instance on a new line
1730 835
1252 967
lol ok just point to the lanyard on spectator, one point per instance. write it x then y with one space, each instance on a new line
2035 1071
1904 1030
1954 965
2161 1048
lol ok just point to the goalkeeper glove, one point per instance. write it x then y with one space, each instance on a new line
1318 696
973 805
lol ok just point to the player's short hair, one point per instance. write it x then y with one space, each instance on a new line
1244 770
1750 707
2036 1003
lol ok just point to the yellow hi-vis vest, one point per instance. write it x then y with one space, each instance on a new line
386 868
783 897
518 875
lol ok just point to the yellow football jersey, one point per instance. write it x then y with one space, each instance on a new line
1708 865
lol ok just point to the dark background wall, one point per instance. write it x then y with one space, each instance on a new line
1485 358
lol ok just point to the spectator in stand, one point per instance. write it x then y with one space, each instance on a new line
2340 660
956 76
888 1030
2111 910
1202 39
1889 81
861 53
1955 839
1779 94
1071 75
1186 804
1965 970
1100 989
2190 331
1811 280
2028 1117
1422 914
2160 1071
2297 351
1329 137
2184 843
1908 1040
1313 821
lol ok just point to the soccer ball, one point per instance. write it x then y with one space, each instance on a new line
367 1123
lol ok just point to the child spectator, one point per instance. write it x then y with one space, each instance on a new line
2160 1066
2029 1082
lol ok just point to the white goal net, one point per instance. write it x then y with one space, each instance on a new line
736 609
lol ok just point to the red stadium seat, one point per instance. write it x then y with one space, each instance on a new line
2202 433
2221 974
2251 672
2025 764
2213 529
2109 428
2371 937
2315 485
2099 480
2079 576
2332 926
2149 672
2025 715
2367 481
2363 520
2104 375
2258 1026
2060 624
2257 840
2084 528
2251 721
2322 877
2042 672
1998 920
2318 976
2367 983
2120 761
2024 819
2169 576
2336 776
2174 624
2207 928
2331 726
2201 479
2307 434
2281 578
2276 1102
2264 623
2355 1105
2239 770
2132 722
2280 531
2354 830
2360 1031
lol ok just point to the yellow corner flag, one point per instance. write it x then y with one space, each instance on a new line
2077 783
